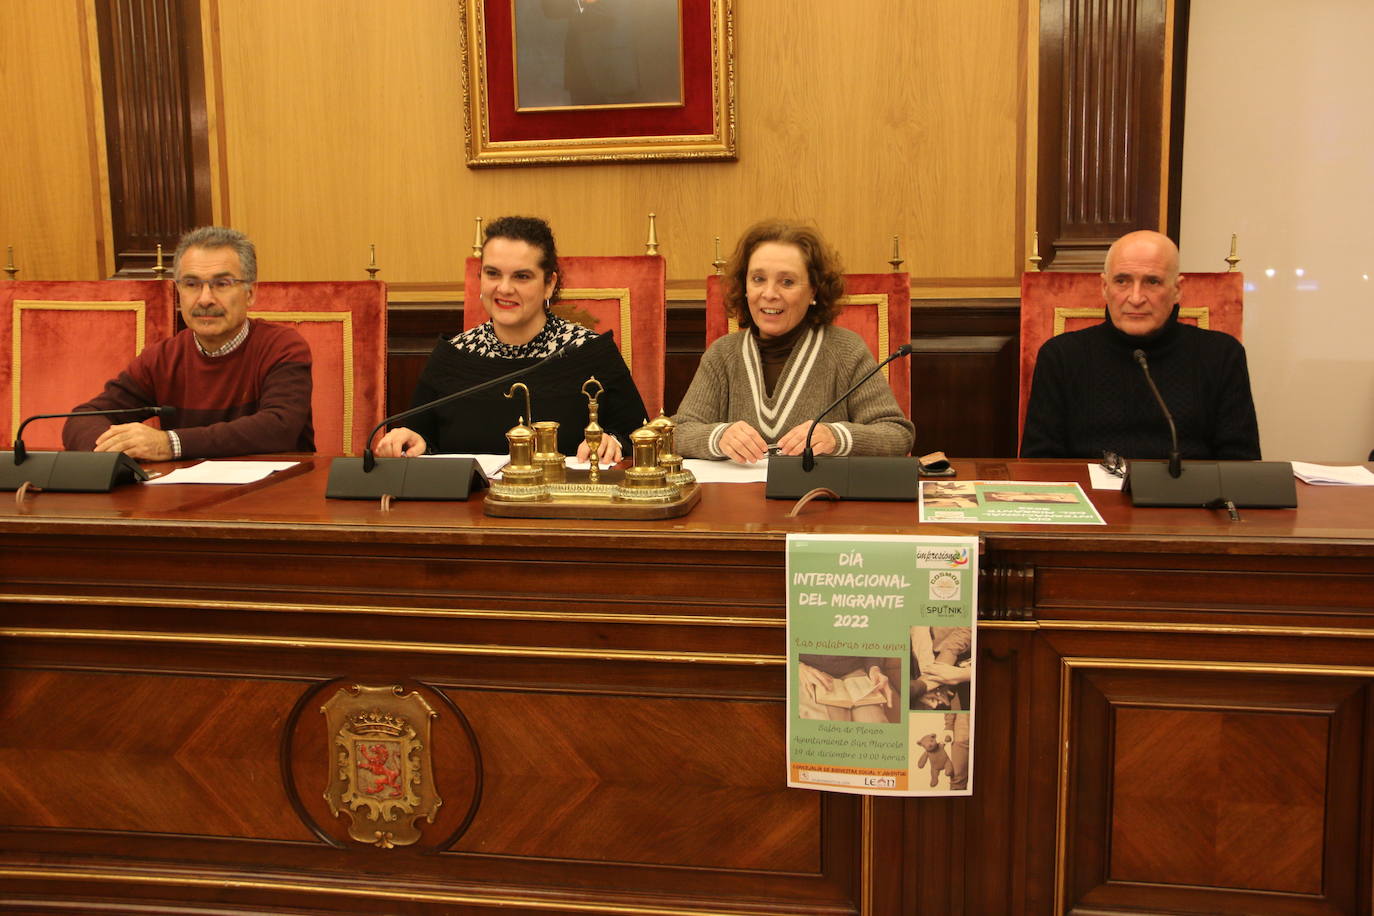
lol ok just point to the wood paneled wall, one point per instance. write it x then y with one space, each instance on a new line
52 206
342 125
334 124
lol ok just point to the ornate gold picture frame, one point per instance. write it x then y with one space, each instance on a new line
697 122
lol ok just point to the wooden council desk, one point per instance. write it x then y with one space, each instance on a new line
1174 710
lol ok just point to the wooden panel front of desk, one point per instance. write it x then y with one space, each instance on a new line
1172 711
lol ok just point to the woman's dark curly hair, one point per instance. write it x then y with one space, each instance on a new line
823 269
532 231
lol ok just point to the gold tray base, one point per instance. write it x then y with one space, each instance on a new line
579 498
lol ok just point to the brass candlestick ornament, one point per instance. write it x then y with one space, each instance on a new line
593 434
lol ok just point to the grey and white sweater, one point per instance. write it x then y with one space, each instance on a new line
728 387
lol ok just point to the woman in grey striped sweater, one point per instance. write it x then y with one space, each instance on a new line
758 388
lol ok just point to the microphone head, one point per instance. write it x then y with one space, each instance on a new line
904 350
1139 356
163 411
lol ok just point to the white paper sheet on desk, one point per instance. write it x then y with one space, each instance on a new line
489 464
727 471
575 465
231 472
1103 479
1328 475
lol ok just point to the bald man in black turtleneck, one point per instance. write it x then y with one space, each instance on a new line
1088 394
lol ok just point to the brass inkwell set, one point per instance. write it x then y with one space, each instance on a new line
537 483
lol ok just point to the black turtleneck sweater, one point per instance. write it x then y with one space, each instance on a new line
1088 395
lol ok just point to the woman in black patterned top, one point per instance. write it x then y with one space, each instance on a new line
520 283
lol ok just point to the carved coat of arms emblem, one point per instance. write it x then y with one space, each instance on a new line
380 774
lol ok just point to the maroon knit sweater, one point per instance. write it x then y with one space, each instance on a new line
254 400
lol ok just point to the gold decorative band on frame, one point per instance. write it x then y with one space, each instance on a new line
346 319
1072 663
1200 628
1201 313
881 301
674 620
369 892
137 306
329 644
620 295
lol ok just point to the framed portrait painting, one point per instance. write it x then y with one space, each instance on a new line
551 81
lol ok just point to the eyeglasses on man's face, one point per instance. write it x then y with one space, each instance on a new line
191 286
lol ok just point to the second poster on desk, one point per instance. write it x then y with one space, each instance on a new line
882 639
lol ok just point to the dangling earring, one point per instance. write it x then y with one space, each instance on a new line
548 303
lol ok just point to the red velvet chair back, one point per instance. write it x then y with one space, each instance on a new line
62 341
1053 302
877 307
345 324
624 294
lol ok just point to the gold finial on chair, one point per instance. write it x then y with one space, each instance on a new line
477 239
719 262
372 267
1035 258
651 246
1232 259
159 270
896 259
9 266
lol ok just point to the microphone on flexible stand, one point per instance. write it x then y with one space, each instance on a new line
162 412
1209 484
1175 459
370 461
80 472
864 477
808 456
406 478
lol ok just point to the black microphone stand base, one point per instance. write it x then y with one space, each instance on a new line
1245 484
405 478
865 477
69 472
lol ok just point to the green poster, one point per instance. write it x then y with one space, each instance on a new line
881 637
1006 502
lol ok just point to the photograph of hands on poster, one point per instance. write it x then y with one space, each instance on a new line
1006 502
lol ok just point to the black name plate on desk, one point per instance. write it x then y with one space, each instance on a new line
405 478
69 472
866 477
1246 484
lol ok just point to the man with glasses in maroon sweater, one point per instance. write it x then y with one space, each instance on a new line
238 386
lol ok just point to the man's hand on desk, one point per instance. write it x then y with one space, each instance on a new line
137 440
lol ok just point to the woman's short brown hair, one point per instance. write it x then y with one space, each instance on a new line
823 269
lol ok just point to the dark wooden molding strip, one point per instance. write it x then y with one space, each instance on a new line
157 140
1102 85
